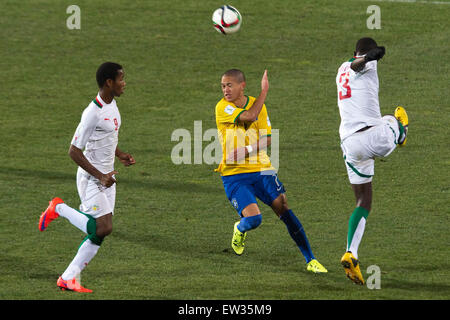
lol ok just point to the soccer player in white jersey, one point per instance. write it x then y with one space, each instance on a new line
97 133
365 134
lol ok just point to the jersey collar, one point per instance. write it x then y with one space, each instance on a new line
99 101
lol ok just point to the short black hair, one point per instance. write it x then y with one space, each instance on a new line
107 70
235 73
364 45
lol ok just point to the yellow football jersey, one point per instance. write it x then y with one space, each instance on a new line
233 134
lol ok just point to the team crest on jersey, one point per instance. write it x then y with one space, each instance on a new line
234 203
229 109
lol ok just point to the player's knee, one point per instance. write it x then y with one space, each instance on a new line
104 226
366 205
363 195
93 232
364 201
104 231
95 239
280 205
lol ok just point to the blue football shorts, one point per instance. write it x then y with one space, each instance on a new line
243 189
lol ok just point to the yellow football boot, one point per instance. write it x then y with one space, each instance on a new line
237 243
316 267
401 115
351 267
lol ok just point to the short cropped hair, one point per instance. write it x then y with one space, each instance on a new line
364 45
235 73
107 70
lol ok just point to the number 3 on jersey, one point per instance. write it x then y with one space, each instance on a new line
348 91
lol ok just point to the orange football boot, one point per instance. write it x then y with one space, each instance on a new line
49 214
71 285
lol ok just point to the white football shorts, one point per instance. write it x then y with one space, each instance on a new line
96 199
361 148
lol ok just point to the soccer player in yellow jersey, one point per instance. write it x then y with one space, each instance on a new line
244 131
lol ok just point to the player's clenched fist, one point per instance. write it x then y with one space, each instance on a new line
108 180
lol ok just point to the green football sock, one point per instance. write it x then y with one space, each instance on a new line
356 226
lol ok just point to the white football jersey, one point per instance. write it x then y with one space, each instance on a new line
357 98
98 133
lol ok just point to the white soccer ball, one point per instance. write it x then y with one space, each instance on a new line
227 19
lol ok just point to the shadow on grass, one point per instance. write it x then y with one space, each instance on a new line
432 289
23 268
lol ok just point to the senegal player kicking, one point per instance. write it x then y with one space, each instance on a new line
97 133
244 131
364 134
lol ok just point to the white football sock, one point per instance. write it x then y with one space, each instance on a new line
357 236
76 218
84 255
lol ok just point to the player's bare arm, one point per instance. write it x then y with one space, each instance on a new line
244 152
78 157
374 54
126 158
251 114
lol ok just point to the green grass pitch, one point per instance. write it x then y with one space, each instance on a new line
173 223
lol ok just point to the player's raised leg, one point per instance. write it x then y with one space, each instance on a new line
402 117
49 214
58 208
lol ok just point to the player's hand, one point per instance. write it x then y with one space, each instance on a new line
126 159
375 54
265 82
108 180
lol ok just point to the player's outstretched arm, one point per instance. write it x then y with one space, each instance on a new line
78 157
374 54
251 114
